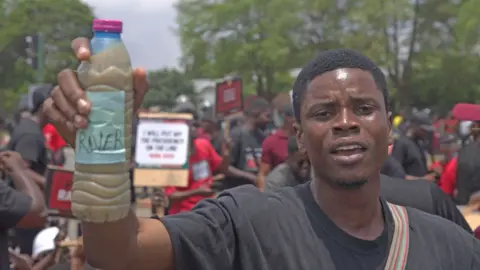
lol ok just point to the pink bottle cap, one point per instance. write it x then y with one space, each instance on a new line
107 26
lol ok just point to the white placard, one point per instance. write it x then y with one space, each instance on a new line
162 144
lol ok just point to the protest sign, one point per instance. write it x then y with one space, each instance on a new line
162 150
58 191
228 97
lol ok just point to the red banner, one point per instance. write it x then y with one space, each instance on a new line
229 97
60 190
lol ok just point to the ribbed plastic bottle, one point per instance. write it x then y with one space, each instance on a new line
101 189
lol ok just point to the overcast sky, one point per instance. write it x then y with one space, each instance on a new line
148 29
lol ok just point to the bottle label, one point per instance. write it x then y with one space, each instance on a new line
103 142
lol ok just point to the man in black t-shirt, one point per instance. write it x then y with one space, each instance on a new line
23 207
393 168
28 140
409 156
338 221
247 143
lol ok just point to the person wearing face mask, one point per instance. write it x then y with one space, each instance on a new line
294 171
247 142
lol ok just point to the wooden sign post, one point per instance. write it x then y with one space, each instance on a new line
162 150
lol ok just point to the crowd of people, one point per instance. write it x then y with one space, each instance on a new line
337 183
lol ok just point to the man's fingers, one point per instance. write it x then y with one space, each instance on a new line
140 85
71 90
81 48
63 105
66 129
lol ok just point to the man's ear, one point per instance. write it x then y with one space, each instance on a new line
390 119
390 135
299 134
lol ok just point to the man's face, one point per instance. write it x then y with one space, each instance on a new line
344 127
264 119
300 166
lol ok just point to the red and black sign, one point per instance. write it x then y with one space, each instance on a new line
229 97
58 191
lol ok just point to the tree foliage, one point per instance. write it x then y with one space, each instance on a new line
58 21
166 85
421 45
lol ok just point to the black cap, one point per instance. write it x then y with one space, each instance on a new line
39 95
422 120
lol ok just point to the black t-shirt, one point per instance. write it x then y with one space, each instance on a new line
28 140
245 154
422 195
393 168
406 152
14 205
246 229
419 194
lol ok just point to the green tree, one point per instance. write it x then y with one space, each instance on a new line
250 38
166 85
59 21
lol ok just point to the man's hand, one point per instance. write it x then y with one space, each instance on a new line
68 107
20 261
204 192
11 161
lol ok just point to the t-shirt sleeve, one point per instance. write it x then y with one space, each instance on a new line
30 148
266 151
202 239
14 205
446 208
275 180
218 232
476 255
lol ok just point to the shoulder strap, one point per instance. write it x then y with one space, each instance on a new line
398 253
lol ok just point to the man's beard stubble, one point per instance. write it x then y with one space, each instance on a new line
351 185
345 184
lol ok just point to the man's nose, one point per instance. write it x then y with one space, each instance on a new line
346 123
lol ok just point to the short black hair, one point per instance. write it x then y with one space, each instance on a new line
334 59
292 146
39 95
256 107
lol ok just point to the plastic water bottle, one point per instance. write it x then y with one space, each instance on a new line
101 189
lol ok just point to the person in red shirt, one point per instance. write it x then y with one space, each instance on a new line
204 161
52 138
274 147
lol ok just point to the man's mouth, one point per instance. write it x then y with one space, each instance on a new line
349 153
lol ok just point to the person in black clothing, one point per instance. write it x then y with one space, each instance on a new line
28 140
247 142
409 156
468 167
337 221
393 168
23 207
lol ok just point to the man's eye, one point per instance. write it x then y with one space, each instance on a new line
365 110
323 114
